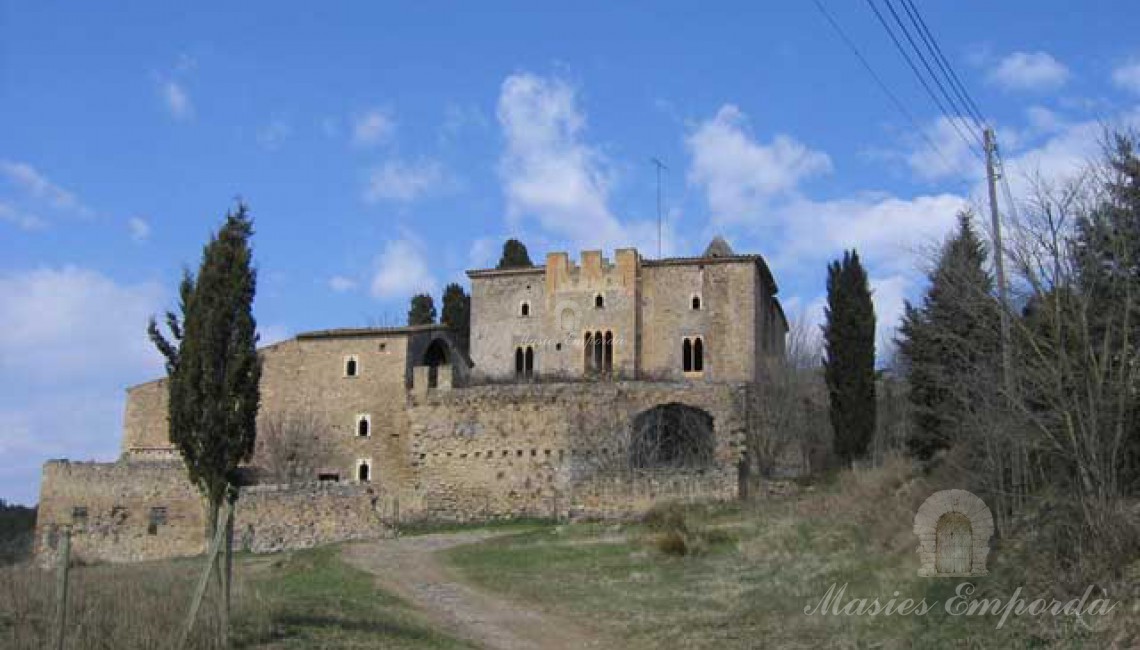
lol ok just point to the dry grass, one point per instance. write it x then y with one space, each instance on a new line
134 606
290 600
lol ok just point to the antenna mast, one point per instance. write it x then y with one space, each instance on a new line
659 165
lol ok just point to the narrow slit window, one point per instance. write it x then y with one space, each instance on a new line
599 301
698 355
687 355
520 362
608 356
364 471
529 369
350 367
363 426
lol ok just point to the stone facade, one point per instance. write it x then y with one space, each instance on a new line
405 425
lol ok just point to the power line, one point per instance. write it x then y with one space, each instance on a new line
957 110
956 83
921 78
882 85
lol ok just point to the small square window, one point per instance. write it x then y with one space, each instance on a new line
79 514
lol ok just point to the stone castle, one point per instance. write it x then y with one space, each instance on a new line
589 390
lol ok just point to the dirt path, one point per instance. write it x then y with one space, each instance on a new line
410 566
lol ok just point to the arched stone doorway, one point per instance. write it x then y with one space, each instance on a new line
954 529
434 357
672 436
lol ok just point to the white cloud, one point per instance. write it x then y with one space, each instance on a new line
402 181
72 323
176 99
889 294
1127 76
71 337
953 158
549 173
140 229
402 269
1030 71
274 134
341 284
888 231
740 175
22 220
372 127
37 186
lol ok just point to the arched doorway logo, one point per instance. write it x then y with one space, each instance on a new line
954 529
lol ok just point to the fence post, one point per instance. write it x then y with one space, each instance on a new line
61 588
200 590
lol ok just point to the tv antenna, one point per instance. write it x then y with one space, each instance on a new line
660 166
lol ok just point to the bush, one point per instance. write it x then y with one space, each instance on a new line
677 530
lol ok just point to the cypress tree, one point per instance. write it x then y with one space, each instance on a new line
514 256
422 310
213 369
457 313
849 366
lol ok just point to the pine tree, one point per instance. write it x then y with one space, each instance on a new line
514 256
849 366
422 310
457 313
213 370
951 345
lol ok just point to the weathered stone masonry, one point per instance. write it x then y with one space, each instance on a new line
535 421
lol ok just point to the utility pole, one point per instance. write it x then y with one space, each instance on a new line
1017 459
999 259
659 165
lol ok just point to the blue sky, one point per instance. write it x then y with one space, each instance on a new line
384 150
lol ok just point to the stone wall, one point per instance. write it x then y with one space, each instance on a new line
530 449
122 512
274 518
133 511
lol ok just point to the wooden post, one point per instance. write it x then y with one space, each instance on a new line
61 588
200 590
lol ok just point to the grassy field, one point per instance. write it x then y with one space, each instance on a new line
306 599
751 571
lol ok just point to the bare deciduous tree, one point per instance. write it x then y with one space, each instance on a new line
289 446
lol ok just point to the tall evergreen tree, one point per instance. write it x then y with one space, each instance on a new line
457 313
422 310
951 344
849 366
213 369
514 256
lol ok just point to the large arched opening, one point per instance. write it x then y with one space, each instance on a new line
672 436
435 355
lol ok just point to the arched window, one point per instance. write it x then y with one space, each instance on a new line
599 301
588 352
363 470
693 354
350 366
608 357
599 351
529 369
363 425
696 302
524 309
519 363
